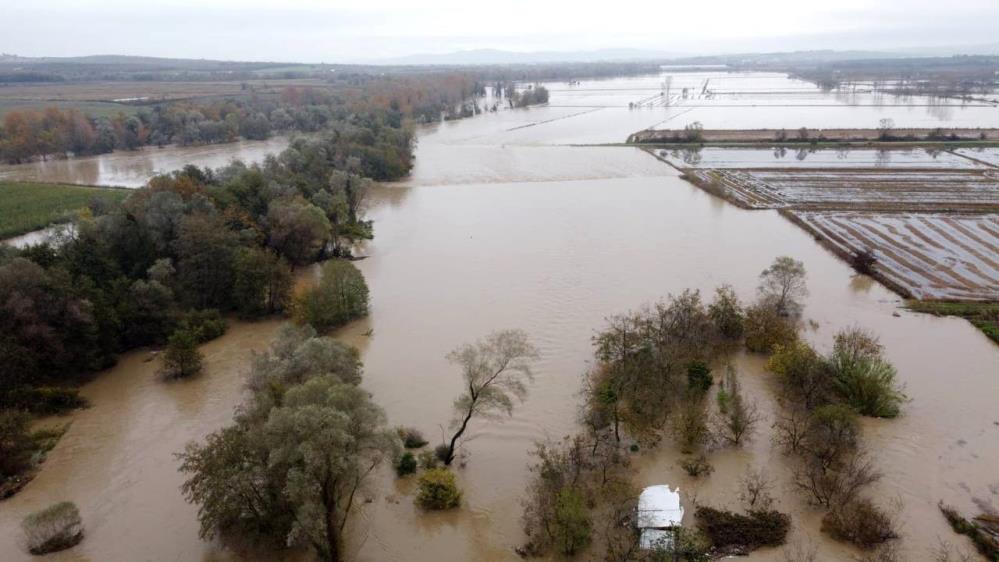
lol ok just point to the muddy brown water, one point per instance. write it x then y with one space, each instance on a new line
491 233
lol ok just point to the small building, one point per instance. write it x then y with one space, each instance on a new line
659 515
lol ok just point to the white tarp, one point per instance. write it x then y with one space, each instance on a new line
659 508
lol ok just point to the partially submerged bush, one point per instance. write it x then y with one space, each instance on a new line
752 530
16 444
572 522
766 328
407 464
181 358
986 543
862 377
204 325
411 438
726 313
44 400
438 490
860 523
697 466
699 378
54 528
339 297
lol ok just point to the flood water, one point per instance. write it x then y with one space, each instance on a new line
503 225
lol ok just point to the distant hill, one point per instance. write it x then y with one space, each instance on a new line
497 56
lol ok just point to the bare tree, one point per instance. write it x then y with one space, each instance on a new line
495 371
736 418
782 285
755 490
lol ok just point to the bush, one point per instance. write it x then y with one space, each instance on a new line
339 297
804 376
752 530
16 444
181 358
860 523
766 328
441 452
862 377
572 522
437 490
986 543
407 464
411 438
428 460
697 466
204 325
699 378
44 400
54 528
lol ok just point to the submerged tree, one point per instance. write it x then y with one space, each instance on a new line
495 371
782 286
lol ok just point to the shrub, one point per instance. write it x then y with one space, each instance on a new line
16 444
441 452
752 530
690 425
44 400
437 490
411 438
765 328
862 377
406 465
832 432
987 544
572 522
699 378
697 466
860 523
804 375
204 325
339 297
54 528
181 358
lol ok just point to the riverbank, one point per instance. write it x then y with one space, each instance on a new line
822 137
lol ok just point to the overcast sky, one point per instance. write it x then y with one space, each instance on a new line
355 30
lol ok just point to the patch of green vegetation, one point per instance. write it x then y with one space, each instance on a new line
25 207
983 315
93 108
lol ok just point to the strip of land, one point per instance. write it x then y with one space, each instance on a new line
26 206
806 135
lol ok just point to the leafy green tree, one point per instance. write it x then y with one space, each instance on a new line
765 328
726 313
298 230
262 283
206 251
341 295
495 371
181 359
572 522
862 377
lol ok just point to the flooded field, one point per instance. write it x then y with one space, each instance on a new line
501 227
713 157
929 255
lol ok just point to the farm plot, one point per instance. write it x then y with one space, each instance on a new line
969 190
938 256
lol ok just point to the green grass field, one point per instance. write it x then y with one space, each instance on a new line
29 206
984 315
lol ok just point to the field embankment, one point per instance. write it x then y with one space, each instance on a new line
806 135
25 207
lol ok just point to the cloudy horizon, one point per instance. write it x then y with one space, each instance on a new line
315 31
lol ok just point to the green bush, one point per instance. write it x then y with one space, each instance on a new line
204 325
766 328
54 528
181 359
438 490
411 438
572 522
44 400
862 377
16 444
752 530
407 464
699 378
339 297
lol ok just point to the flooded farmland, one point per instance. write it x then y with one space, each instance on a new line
504 225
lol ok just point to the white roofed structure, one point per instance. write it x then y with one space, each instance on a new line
659 512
